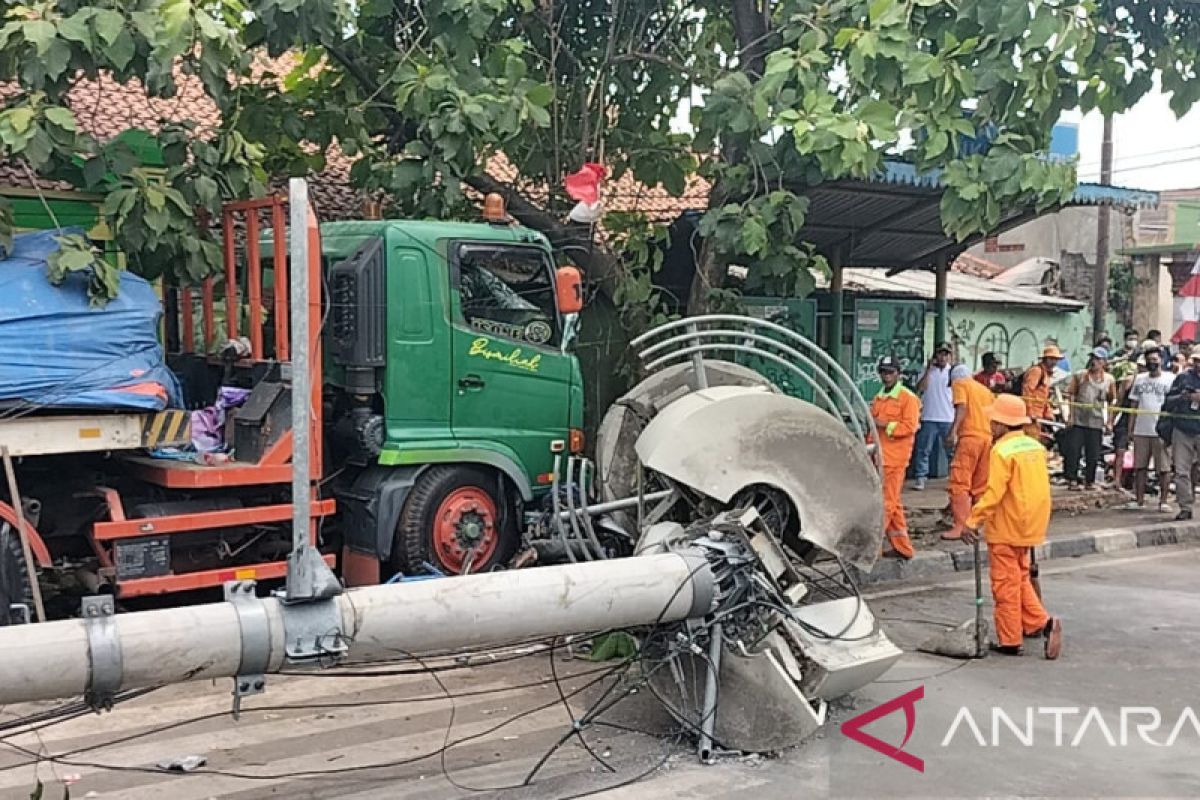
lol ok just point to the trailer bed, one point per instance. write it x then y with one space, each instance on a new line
55 434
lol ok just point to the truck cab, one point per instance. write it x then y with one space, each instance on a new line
450 389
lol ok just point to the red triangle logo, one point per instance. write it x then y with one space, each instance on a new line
853 728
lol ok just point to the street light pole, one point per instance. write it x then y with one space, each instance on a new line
250 636
1100 289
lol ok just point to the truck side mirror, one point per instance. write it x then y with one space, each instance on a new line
568 285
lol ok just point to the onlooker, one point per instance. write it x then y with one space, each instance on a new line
1186 346
1089 392
937 411
1106 342
1179 363
1129 349
1064 361
991 376
1147 395
1154 336
1184 400
1121 425
1035 388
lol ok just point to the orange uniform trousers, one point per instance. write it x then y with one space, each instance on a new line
968 478
893 506
1018 610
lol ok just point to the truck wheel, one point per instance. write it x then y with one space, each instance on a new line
455 520
15 587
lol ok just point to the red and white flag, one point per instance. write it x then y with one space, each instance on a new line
1187 307
584 186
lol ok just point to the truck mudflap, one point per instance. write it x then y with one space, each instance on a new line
371 507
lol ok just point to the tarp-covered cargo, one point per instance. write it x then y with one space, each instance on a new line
57 351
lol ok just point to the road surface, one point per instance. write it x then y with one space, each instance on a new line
1132 640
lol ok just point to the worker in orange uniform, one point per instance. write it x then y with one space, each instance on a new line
897 414
1035 389
971 438
1014 512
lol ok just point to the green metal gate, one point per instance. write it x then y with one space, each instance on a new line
794 314
885 327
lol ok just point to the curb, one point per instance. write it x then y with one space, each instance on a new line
927 563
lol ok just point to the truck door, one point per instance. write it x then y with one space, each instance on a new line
511 380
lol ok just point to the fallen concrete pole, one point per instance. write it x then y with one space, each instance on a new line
251 636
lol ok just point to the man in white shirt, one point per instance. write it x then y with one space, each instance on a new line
937 411
1147 395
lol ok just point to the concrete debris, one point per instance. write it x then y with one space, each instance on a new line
182 763
958 642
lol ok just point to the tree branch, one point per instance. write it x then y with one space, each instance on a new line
575 240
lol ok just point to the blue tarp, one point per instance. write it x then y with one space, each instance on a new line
57 351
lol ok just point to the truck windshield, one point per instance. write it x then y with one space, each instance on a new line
507 291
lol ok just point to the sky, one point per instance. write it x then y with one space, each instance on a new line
1151 148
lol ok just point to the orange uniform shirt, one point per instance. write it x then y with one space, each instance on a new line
978 399
900 411
1015 507
1035 390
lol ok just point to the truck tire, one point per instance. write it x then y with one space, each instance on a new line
455 519
15 587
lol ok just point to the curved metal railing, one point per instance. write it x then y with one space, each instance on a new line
716 335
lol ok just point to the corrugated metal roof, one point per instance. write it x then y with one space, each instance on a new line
1091 194
959 288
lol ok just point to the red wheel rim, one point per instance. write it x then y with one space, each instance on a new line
464 527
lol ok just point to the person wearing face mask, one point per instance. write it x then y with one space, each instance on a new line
1147 395
1130 349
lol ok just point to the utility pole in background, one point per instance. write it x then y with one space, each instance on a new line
1100 289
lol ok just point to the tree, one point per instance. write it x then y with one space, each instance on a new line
423 94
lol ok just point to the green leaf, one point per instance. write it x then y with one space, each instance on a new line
20 118
121 50
75 27
844 37
936 144
1043 26
61 117
94 172
753 237
109 25
540 95
39 33
514 68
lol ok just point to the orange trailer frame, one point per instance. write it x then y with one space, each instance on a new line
274 468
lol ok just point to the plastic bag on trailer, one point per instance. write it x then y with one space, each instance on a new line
58 351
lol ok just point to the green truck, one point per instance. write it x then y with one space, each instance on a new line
448 359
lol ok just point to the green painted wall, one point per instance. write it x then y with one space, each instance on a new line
1016 333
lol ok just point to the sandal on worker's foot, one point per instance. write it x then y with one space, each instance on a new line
1053 634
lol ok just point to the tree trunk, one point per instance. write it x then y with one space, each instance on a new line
751 24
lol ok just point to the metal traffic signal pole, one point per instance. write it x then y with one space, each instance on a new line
251 636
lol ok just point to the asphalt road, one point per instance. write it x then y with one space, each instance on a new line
1132 640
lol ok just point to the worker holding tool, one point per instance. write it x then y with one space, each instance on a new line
897 414
1035 388
1014 512
971 438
